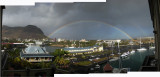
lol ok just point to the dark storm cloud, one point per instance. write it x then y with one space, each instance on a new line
128 15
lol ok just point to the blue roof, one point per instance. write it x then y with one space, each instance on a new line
35 55
35 49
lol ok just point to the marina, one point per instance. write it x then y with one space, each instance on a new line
134 62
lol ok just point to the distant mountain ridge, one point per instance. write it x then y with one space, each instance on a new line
27 32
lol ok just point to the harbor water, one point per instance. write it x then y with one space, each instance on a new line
133 61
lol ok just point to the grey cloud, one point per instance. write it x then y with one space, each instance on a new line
124 14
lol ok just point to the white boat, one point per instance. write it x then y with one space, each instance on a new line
90 59
151 47
97 66
133 51
113 59
141 49
124 54
128 52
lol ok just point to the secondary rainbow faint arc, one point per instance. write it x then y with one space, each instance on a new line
80 21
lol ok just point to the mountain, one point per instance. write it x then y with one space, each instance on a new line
27 32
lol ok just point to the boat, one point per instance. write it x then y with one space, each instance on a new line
133 51
113 59
97 66
141 48
108 68
151 47
125 54
128 52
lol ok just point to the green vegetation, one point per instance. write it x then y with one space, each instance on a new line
104 44
101 59
14 53
18 63
75 43
83 56
59 52
61 61
124 42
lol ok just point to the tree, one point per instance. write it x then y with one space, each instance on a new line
124 42
59 52
105 44
60 61
14 53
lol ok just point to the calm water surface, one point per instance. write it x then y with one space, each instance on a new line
134 61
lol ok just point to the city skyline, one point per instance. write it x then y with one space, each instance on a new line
122 19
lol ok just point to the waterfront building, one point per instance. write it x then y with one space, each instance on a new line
110 42
83 50
83 40
59 39
15 45
35 53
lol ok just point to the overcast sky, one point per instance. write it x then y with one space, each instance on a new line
115 19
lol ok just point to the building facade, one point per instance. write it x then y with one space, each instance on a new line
83 50
35 53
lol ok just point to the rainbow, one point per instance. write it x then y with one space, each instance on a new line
82 21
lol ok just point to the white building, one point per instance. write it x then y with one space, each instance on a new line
59 39
110 42
83 40
77 51
35 53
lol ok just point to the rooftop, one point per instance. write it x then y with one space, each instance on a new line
35 49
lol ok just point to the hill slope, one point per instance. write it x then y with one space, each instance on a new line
27 32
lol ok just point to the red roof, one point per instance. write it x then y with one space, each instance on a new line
107 67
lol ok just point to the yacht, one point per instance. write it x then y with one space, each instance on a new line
113 59
141 48
97 66
133 51
151 47
125 55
